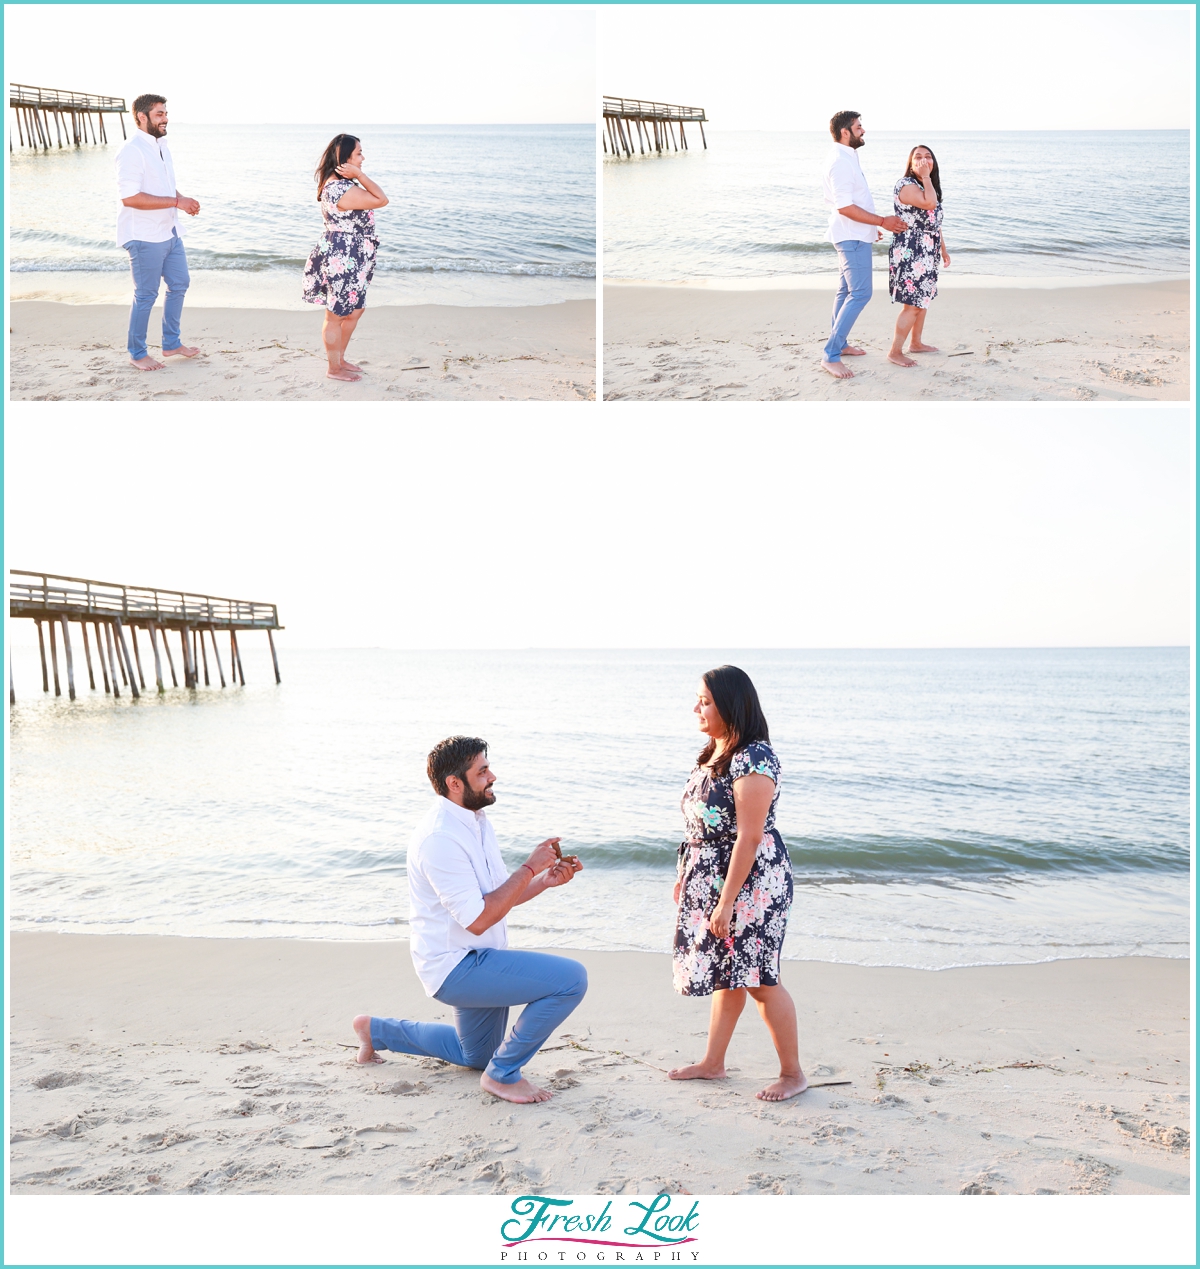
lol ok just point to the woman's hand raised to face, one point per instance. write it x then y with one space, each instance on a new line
922 167
349 171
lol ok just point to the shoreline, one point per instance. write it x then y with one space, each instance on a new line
947 281
215 1065
72 352
1126 341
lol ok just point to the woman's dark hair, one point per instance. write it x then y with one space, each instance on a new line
737 702
337 152
452 757
934 178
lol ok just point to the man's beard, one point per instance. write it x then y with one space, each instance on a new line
856 143
473 801
156 130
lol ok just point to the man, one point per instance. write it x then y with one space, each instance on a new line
148 228
460 893
854 225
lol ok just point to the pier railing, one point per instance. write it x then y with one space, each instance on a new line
634 108
62 99
78 598
630 122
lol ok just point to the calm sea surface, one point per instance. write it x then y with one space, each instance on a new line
1017 204
490 214
941 808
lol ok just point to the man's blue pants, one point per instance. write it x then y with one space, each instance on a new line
853 293
153 262
481 988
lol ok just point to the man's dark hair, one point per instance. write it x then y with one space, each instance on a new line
843 119
145 103
452 757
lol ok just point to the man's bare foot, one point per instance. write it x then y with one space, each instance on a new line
848 351
522 1092
145 363
362 1029
697 1071
899 359
836 369
920 348
182 351
784 1087
344 374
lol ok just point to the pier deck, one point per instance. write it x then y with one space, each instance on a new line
111 608
652 122
71 112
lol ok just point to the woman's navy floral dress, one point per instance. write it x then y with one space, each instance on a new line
916 253
750 956
340 266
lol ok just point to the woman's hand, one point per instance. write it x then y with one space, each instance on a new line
922 167
945 256
676 892
718 923
349 171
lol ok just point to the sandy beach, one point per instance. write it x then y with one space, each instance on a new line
1126 342
76 352
170 1065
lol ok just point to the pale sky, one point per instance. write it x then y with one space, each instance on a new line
666 526
935 67
308 63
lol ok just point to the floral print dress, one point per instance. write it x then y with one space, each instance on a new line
749 957
340 266
916 253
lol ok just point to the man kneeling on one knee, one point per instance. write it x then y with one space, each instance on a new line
460 893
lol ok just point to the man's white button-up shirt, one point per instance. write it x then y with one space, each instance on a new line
844 185
453 861
144 167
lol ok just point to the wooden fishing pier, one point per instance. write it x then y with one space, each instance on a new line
111 609
653 123
72 114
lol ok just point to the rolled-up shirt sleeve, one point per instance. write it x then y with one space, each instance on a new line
447 868
131 171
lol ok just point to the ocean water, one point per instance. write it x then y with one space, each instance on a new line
941 808
487 214
1068 205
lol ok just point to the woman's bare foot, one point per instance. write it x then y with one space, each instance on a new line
836 369
349 365
697 1071
182 351
920 348
848 351
784 1087
522 1092
362 1029
899 359
343 373
145 363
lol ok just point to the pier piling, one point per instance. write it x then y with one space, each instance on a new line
87 652
112 660
42 650
137 656
70 662
100 654
157 662
54 660
127 663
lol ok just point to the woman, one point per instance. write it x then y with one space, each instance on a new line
735 882
339 269
913 258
